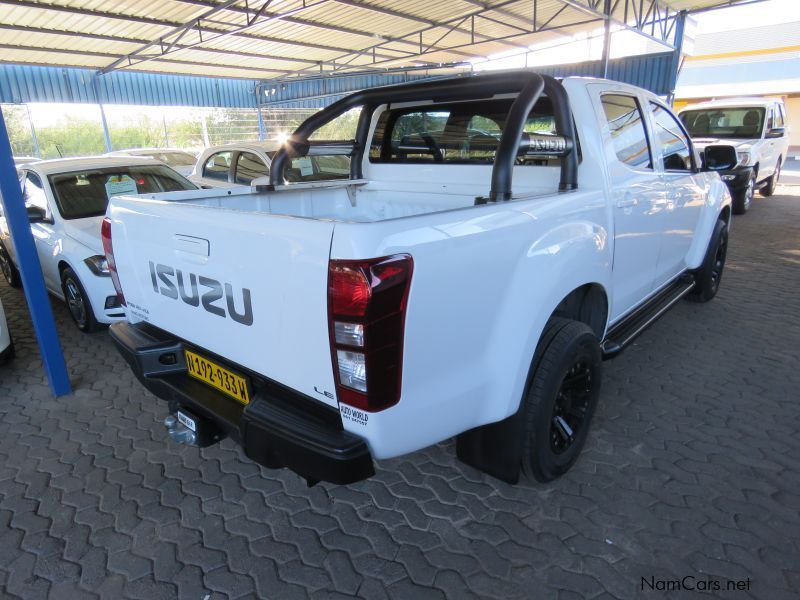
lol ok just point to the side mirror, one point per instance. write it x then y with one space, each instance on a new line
775 132
720 157
36 214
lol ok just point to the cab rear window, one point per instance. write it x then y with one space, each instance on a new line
455 133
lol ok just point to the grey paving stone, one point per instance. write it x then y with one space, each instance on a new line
691 468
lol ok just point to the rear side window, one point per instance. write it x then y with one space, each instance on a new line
675 147
248 167
624 118
455 133
218 165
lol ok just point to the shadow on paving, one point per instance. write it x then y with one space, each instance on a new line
691 468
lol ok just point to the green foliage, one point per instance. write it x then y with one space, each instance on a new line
72 137
19 132
341 128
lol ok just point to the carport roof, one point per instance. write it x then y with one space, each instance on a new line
268 39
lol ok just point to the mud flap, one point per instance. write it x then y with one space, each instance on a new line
495 449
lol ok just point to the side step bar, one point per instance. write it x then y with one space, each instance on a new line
628 329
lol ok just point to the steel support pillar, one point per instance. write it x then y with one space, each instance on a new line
30 270
606 36
680 28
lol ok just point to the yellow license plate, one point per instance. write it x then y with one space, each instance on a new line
225 380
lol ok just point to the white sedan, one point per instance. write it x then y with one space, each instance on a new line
6 344
66 200
238 164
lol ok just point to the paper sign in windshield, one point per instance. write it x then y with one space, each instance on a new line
117 185
306 168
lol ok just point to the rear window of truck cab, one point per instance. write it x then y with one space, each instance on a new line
455 133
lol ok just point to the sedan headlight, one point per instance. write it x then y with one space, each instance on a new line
744 158
98 265
728 177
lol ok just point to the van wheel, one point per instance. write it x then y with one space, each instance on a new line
80 309
561 398
772 182
709 275
10 272
744 198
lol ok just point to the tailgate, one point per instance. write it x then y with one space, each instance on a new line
250 287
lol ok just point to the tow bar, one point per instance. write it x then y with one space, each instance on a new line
184 427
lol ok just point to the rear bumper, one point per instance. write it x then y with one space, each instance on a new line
279 428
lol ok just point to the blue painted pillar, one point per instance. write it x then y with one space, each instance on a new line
680 28
30 269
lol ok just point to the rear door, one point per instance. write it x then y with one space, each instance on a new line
636 197
248 286
685 190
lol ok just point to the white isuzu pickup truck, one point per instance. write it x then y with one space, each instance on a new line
325 325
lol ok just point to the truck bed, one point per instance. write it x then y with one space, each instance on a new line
354 201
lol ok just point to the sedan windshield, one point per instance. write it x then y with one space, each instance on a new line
83 194
736 122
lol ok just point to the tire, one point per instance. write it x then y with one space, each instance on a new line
10 272
80 309
709 275
772 182
561 398
744 198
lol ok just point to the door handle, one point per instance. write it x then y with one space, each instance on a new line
627 202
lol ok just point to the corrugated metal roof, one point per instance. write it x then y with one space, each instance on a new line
25 83
653 72
279 38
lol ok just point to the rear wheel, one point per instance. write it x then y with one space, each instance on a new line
709 275
744 198
772 182
561 398
10 272
80 309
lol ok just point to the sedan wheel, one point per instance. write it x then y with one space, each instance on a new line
80 309
75 302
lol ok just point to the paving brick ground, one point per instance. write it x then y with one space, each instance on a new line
692 468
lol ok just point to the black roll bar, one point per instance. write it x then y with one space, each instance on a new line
527 84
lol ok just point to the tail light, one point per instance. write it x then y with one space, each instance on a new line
105 232
366 315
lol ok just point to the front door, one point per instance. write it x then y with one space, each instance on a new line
636 194
684 192
43 235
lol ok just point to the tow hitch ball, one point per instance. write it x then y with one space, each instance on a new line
184 427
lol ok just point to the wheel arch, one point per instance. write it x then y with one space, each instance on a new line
497 448
725 214
588 304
